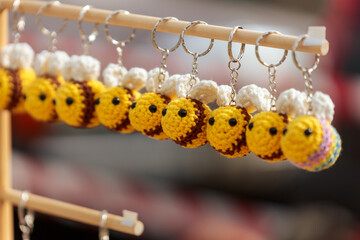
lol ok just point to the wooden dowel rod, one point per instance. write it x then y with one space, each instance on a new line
72 212
148 22
6 210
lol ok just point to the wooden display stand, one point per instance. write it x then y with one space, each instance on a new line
9 196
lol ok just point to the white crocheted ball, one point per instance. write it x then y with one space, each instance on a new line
153 79
253 98
169 86
81 68
204 91
16 56
113 75
50 63
135 78
183 85
292 102
223 95
323 106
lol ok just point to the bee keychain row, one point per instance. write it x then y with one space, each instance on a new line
55 87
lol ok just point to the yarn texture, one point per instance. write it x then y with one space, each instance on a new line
12 84
185 122
145 115
113 107
39 98
263 135
75 103
311 144
226 131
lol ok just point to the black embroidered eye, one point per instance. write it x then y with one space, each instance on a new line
307 132
251 125
152 108
116 101
285 130
69 101
133 105
42 97
54 101
211 121
164 112
97 101
24 97
182 113
273 131
232 122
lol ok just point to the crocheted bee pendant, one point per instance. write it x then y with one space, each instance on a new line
75 99
114 103
113 106
263 135
184 121
15 74
39 96
311 144
145 115
226 131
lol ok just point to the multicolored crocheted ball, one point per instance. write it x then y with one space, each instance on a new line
263 135
39 98
311 144
184 121
145 114
12 84
75 103
226 131
112 108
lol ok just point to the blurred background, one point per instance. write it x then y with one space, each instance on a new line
195 194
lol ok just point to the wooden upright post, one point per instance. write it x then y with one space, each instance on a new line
6 218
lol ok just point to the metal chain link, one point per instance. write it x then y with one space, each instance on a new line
163 68
234 78
309 90
272 85
120 55
194 72
18 26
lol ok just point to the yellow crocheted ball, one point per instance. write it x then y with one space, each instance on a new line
39 98
310 143
12 84
145 115
226 131
75 103
184 121
263 135
112 108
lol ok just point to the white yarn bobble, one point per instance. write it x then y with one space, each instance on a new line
81 68
204 91
17 56
169 86
135 78
323 106
153 79
50 63
254 98
292 102
113 75
183 85
223 95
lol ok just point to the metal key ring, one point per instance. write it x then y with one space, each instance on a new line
26 221
257 50
242 49
92 37
297 64
160 49
44 30
103 232
117 43
18 18
183 40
